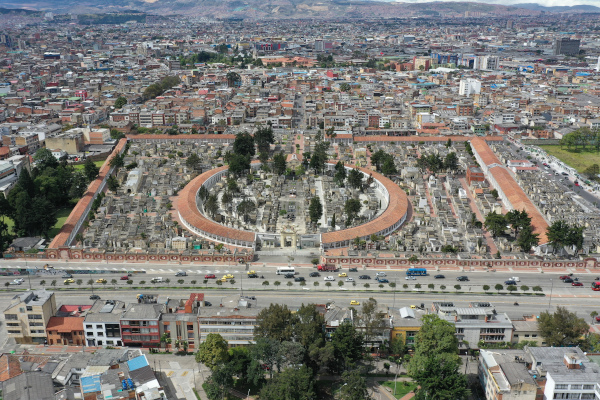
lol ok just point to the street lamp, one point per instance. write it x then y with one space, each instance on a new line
550 299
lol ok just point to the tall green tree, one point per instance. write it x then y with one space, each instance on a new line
354 386
435 363
90 169
451 162
495 223
557 233
238 164
290 384
319 156
219 382
370 320
244 144
352 207
347 346
263 137
193 161
315 209
43 159
213 351
275 322
389 167
279 163
562 328
355 178
527 239
120 102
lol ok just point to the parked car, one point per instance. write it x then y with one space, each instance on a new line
364 277
299 279
353 270
439 276
94 297
510 282
207 304
329 278
383 280
462 278
210 276
314 274
181 273
410 278
576 284
598 318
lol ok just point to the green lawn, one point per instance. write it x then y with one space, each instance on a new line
61 216
80 166
402 388
578 159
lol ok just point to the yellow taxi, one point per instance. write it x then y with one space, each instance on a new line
355 303
413 306
223 279
69 281
101 280
342 275
227 276
251 272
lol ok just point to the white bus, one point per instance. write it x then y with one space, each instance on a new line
285 270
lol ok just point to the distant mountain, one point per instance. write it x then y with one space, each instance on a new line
558 9
276 9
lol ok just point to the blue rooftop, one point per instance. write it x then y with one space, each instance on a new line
91 384
137 363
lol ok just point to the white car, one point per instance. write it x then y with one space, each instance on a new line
410 278
329 278
348 279
380 274
17 281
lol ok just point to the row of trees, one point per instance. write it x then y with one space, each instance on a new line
156 89
520 223
582 137
384 163
435 163
562 234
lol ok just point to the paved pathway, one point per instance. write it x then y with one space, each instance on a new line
488 237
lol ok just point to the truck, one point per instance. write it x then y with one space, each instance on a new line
323 267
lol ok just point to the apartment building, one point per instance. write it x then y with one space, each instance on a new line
235 325
139 325
28 314
65 330
505 375
102 323
180 322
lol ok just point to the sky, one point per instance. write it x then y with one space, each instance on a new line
547 3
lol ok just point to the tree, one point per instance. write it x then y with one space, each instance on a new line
355 178
511 288
562 329
193 161
345 87
90 169
233 79
219 382
279 163
495 223
486 288
347 344
498 287
319 157
354 387
290 384
370 320
558 233
494 193
120 102
275 322
389 167
352 207
333 221
43 159
457 287
593 314
238 163
244 144
526 239
211 205
246 207
112 183
434 365
451 162
213 351
263 137
315 209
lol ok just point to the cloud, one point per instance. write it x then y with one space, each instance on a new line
547 3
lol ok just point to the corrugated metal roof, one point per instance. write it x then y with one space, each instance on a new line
90 384
137 363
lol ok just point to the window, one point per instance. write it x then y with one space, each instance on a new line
90 333
10 317
88 327
29 308
34 316
99 342
516 335
526 335
587 396
98 326
533 335
12 324
561 386
11 331
36 324
576 387
154 323
588 387
100 333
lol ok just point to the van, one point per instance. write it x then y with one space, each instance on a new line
156 280
515 278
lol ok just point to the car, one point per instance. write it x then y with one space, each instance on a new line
69 281
207 304
576 284
250 297
124 278
563 277
412 306
383 280
314 274
380 274
223 279
94 297
598 318
410 278
101 280
329 278
16 282
354 303
510 282
364 277
290 275
210 276
349 279
299 279
251 272
228 276
439 276
253 276
564 173
353 270
181 273
342 275
568 280
462 278
67 276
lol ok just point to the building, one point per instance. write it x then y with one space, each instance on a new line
474 174
567 47
235 325
505 375
65 330
28 314
71 141
469 86
406 323
526 330
102 323
139 325
180 323
29 385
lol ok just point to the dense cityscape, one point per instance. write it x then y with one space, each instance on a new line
251 204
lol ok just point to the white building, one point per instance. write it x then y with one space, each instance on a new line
469 86
102 323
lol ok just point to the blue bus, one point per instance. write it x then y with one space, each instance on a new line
416 271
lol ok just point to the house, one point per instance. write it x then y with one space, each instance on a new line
102 323
526 330
406 323
29 385
65 330
28 314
